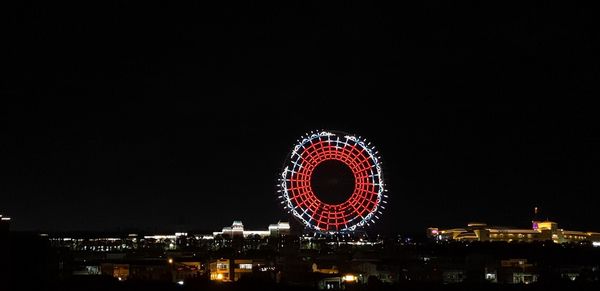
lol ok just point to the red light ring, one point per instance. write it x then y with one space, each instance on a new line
362 205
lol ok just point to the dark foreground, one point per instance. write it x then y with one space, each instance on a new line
110 284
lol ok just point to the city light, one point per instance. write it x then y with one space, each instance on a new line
540 231
219 276
349 278
180 282
170 260
280 228
596 243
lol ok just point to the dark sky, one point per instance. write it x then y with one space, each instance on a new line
157 115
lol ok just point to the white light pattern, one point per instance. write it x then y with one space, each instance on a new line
348 140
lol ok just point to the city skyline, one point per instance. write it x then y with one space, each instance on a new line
309 145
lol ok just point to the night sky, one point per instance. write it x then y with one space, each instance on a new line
165 116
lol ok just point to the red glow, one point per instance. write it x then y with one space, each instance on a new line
333 217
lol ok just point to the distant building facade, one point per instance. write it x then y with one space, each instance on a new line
232 270
231 236
237 230
540 231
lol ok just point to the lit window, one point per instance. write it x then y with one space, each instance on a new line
246 266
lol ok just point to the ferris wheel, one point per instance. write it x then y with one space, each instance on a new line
302 196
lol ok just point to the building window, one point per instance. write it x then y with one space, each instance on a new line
246 266
222 266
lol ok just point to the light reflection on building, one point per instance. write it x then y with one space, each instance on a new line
98 242
540 231
237 230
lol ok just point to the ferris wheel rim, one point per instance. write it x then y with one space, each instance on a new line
298 197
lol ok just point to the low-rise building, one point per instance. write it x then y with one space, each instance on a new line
232 270
119 271
517 271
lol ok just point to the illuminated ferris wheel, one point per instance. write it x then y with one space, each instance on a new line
314 189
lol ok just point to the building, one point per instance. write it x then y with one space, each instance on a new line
119 271
237 230
236 236
329 270
232 270
279 229
540 231
181 271
220 270
93 242
241 268
517 271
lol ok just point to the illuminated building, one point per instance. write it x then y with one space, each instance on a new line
226 270
95 243
540 231
237 237
331 270
122 242
182 271
219 270
237 230
279 229
119 271
241 268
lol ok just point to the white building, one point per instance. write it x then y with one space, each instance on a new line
237 230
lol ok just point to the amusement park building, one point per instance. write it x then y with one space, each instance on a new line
540 231
237 230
